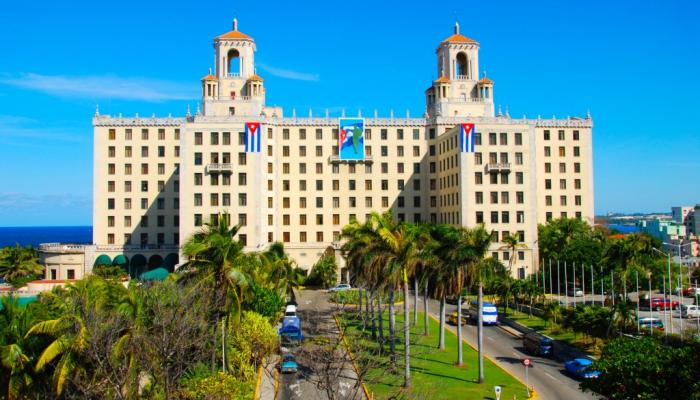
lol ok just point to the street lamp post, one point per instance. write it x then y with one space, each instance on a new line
669 280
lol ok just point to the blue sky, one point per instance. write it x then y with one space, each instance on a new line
633 64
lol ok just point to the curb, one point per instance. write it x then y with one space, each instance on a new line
532 391
256 396
352 358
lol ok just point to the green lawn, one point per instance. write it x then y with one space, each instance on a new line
433 372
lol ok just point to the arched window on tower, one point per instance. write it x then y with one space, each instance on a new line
462 66
234 63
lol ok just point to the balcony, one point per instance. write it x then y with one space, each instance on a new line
336 159
217 168
497 167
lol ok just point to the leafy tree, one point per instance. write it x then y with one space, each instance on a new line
264 301
15 349
19 265
254 340
110 271
69 330
324 273
647 369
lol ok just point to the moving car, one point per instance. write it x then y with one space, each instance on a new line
452 319
341 287
650 322
658 303
538 344
288 364
290 332
690 311
581 368
290 311
489 312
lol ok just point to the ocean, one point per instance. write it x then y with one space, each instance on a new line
34 235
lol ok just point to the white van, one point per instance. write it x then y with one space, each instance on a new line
290 311
690 311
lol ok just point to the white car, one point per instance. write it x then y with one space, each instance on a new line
690 311
341 287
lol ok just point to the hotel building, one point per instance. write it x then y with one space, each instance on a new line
158 180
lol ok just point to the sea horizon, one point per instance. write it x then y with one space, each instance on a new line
35 235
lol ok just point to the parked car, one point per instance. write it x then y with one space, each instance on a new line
453 300
581 368
341 287
650 322
538 344
690 311
288 364
658 303
691 291
452 319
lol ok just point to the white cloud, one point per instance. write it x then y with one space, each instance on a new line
102 87
290 74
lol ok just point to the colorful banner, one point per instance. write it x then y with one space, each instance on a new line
252 137
351 144
466 138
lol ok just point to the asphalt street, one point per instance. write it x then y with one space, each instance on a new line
325 372
547 376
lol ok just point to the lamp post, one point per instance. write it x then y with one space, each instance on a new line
669 278
680 276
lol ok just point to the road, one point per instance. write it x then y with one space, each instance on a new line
546 376
325 372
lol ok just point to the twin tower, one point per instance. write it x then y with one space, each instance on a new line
235 89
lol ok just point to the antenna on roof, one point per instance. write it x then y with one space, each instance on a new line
456 24
235 24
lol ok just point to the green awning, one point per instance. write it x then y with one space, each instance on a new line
157 274
120 260
103 259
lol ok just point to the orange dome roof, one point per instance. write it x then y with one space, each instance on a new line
255 78
235 34
210 77
459 38
442 79
485 81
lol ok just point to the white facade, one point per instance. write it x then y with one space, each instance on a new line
296 190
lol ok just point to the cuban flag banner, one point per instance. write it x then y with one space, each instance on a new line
466 138
252 137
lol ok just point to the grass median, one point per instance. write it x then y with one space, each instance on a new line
434 374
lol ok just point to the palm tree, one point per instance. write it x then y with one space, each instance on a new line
131 306
18 262
69 329
479 240
13 352
214 255
512 243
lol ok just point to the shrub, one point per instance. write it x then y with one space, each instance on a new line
324 273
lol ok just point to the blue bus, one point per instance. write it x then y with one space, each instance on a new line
291 330
489 312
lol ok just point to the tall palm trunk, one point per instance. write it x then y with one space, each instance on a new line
224 328
367 306
426 332
372 320
480 332
459 330
407 336
441 342
359 304
392 329
415 302
380 321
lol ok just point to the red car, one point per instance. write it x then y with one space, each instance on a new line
691 291
659 303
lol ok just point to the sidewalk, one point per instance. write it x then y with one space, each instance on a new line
269 381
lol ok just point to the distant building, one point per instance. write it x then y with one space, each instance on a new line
685 215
